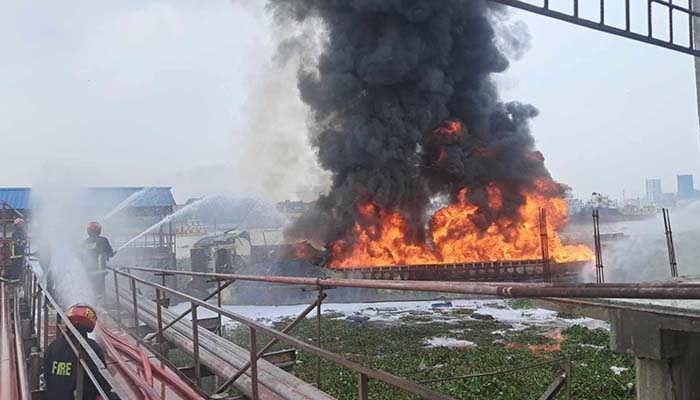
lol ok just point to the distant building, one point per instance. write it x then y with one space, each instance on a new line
654 192
668 200
686 190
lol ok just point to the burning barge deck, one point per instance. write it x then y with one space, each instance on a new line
514 271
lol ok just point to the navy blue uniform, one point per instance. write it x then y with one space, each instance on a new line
61 371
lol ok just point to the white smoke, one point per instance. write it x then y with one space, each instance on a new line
643 254
58 228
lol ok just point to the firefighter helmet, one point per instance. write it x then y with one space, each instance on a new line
94 228
18 222
82 316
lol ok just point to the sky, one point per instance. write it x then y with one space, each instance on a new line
188 94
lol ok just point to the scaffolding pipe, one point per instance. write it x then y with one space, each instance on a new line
669 243
8 370
637 291
23 380
600 276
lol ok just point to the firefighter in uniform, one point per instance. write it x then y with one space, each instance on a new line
19 249
97 251
61 363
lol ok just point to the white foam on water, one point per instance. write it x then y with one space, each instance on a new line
442 341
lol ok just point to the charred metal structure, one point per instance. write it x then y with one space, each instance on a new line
491 271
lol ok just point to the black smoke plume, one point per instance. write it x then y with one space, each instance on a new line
390 74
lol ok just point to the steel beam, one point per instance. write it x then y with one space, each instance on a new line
605 290
601 26
695 33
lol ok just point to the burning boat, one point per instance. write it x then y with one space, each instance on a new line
431 171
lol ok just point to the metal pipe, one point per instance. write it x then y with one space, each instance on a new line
116 300
8 380
318 336
19 352
160 320
45 330
263 278
195 346
253 364
544 242
38 318
132 283
362 386
669 243
218 304
600 275
636 291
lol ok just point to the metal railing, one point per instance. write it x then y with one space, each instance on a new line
40 304
656 290
364 373
612 290
13 377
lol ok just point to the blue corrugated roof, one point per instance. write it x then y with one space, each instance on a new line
16 197
107 196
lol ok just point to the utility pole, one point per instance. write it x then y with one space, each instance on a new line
696 37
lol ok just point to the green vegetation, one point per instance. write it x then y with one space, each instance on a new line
399 348
567 315
521 304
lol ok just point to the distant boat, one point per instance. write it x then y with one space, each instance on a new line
613 214
609 211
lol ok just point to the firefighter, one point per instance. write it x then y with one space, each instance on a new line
97 251
19 249
61 363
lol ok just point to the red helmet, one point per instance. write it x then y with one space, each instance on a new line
18 222
82 316
94 228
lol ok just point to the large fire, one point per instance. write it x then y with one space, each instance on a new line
381 237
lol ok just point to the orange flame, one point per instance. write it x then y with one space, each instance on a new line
556 336
454 237
451 128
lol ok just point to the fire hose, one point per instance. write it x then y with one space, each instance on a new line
116 345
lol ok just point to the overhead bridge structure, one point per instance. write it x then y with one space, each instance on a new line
671 24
